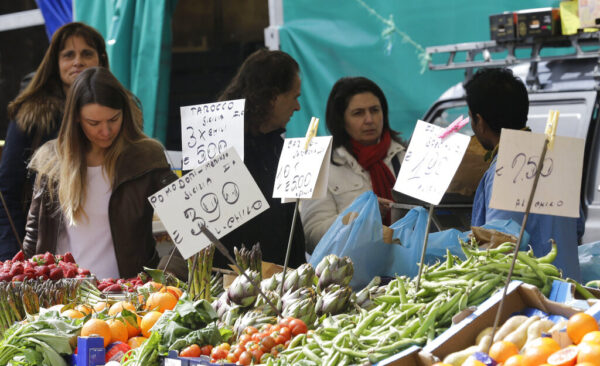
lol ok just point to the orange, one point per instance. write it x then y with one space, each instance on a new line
516 360
99 306
579 325
538 351
135 342
118 330
73 314
564 357
176 291
97 327
502 350
585 364
593 336
161 301
148 321
153 286
589 352
133 326
117 307
84 308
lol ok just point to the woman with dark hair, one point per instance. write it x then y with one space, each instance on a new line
367 154
35 116
270 83
92 182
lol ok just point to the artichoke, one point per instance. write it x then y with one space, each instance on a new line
301 277
272 283
303 309
334 270
231 316
299 294
221 305
334 300
253 318
264 306
243 292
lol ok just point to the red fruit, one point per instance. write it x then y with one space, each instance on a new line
68 257
58 258
52 266
38 258
113 288
56 274
6 265
49 258
70 273
19 277
28 265
102 286
16 269
20 256
42 270
5 277
83 271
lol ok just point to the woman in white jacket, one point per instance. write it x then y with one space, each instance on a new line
367 155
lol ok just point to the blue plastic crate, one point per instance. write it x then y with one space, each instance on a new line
174 360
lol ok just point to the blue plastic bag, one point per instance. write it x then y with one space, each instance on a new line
362 241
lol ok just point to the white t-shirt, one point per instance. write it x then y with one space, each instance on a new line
90 241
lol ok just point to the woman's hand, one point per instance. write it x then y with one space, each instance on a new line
385 206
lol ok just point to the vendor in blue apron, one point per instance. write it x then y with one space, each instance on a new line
496 100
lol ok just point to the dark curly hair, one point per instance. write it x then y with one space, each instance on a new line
263 75
341 93
499 97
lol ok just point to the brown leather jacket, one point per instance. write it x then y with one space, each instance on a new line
141 170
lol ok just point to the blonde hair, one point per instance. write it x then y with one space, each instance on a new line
61 164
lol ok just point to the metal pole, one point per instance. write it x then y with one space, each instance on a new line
422 263
225 252
518 244
288 250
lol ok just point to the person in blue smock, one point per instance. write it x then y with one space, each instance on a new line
497 99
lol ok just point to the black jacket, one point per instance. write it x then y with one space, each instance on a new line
271 228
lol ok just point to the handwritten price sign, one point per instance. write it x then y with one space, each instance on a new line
430 163
302 173
220 194
207 130
558 189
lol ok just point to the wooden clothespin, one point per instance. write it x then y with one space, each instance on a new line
311 132
551 127
455 126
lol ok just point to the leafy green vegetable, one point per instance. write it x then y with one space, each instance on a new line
208 335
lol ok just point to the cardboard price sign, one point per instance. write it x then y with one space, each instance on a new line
558 189
207 130
430 162
220 194
302 173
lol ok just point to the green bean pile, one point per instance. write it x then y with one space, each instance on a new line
404 316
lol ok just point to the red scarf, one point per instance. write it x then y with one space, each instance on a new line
371 158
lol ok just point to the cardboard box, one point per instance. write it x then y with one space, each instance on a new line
411 356
533 23
503 27
519 297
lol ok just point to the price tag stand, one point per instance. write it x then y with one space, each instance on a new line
552 118
225 252
288 250
421 263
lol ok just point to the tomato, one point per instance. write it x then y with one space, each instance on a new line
244 338
191 351
250 330
231 358
245 358
251 345
267 343
279 339
297 326
256 337
206 350
266 328
286 333
286 321
218 353
238 351
256 355
225 346
276 328
275 351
